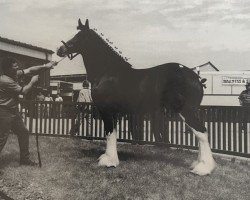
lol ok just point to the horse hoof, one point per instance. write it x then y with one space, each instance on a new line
196 162
108 161
203 169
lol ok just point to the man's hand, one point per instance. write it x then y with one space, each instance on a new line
50 65
34 79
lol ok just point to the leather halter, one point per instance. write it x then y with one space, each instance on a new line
70 55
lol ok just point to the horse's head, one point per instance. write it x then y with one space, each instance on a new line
74 46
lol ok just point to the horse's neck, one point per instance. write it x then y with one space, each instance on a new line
99 60
93 67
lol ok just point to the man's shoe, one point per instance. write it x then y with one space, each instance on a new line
27 162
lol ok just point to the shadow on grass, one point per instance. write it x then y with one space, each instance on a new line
8 160
5 161
132 156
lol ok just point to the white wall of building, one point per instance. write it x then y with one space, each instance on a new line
224 87
77 86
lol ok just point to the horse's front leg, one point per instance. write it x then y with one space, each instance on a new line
110 157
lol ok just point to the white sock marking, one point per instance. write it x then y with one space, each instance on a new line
205 162
110 157
111 149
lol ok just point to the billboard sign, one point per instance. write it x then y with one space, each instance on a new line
233 80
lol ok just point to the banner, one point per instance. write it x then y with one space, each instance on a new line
230 80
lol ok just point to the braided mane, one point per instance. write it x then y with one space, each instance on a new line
109 52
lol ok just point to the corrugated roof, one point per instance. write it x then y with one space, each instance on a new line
207 64
21 44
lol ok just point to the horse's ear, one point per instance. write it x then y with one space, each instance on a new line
80 25
87 24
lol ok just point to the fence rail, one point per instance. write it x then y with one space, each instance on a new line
228 127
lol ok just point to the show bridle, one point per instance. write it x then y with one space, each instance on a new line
70 55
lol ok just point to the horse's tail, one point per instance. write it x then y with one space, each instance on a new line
203 80
195 84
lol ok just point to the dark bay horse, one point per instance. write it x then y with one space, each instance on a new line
119 88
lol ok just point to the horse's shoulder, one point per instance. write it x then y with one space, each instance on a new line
104 83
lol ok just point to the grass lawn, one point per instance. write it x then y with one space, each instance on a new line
70 172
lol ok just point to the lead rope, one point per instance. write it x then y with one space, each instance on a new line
60 60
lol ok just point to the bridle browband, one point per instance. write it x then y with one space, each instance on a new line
70 55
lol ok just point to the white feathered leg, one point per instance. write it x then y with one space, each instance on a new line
194 163
110 157
205 163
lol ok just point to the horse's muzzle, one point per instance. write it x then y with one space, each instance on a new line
62 51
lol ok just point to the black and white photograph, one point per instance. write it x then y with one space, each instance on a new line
124 100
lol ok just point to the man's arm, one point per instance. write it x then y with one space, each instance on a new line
37 69
29 86
12 87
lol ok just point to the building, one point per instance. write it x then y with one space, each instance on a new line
27 56
65 89
224 87
206 67
75 79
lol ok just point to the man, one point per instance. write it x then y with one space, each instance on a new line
84 96
85 93
244 97
59 107
9 116
40 98
58 98
47 110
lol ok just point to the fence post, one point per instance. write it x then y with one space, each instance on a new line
247 132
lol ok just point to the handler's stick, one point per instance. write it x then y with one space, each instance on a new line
38 151
37 143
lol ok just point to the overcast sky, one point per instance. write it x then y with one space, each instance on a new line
191 32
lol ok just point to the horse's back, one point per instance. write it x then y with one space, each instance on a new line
171 85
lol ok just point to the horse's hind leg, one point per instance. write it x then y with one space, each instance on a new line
110 157
205 163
